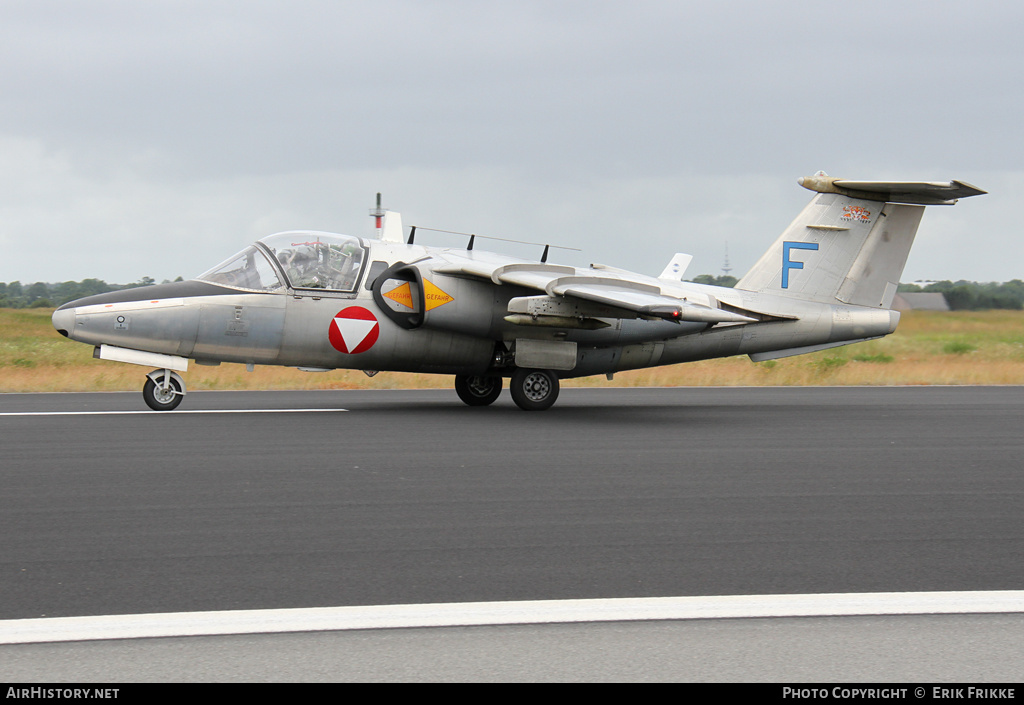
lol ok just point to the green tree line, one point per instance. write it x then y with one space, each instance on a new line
47 295
960 295
974 296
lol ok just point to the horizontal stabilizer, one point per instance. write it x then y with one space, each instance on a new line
924 193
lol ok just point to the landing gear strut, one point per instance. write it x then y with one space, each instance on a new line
163 390
534 390
477 391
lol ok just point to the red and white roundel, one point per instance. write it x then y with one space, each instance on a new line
354 330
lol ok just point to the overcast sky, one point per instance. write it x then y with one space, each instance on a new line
151 138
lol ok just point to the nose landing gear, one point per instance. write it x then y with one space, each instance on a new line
164 390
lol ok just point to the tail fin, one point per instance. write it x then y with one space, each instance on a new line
850 244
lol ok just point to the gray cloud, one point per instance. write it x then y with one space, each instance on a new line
153 138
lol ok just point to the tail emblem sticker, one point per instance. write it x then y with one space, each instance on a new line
857 214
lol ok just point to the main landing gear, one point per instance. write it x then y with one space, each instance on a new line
532 390
163 390
477 391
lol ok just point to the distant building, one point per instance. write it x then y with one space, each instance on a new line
906 301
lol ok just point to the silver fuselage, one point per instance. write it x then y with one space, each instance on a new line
212 323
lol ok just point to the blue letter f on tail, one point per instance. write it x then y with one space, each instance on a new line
788 264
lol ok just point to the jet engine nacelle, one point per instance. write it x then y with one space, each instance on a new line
413 298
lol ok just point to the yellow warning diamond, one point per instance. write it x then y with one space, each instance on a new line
401 294
434 296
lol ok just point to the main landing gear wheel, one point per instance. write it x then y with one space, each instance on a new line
534 390
162 397
477 391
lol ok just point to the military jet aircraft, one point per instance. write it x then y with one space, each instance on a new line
322 301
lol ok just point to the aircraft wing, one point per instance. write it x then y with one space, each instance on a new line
622 297
640 299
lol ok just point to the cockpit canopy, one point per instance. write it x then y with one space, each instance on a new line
300 260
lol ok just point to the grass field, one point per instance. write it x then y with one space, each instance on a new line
961 347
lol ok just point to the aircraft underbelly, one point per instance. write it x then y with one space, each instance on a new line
438 351
820 326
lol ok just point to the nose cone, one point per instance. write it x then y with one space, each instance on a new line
64 321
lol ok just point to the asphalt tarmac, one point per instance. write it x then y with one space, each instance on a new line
282 500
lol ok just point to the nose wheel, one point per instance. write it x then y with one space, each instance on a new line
163 390
534 390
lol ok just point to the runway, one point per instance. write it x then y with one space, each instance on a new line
354 498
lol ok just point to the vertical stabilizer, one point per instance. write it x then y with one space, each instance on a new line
875 274
839 250
850 244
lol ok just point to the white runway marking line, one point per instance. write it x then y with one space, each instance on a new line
136 626
167 413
